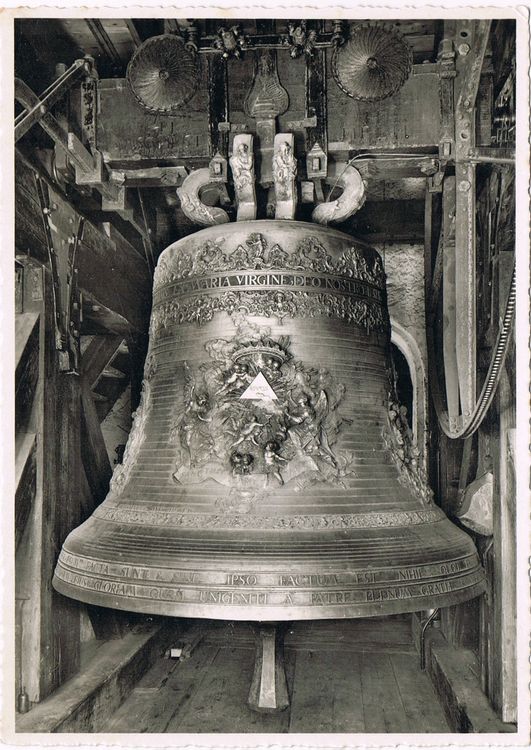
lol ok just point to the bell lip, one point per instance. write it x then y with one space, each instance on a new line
273 613
267 223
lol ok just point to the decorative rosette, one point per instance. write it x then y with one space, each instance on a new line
373 64
163 73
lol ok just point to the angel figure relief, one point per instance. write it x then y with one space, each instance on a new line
255 417
191 428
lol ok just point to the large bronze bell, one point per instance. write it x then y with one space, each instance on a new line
270 474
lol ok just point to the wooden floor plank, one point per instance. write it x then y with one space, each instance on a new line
378 631
159 673
422 709
382 705
153 710
220 704
367 680
327 693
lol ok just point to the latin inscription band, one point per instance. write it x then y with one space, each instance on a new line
249 580
228 597
268 280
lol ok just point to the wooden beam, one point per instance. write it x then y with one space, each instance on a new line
428 243
316 100
104 41
61 509
218 104
97 356
49 626
503 680
469 70
115 278
27 365
453 675
25 481
91 698
93 450
380 167
135 36
449 301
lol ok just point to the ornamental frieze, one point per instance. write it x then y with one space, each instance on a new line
257 253
276 304
237 520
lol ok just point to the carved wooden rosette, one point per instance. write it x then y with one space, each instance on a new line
262 487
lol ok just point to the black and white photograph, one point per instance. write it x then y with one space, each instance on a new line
265 376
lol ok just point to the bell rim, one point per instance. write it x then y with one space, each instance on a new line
245 613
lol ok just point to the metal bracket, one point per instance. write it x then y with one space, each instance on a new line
62 255
435 182
447 73
432 617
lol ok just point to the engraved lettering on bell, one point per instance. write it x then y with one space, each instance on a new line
350 290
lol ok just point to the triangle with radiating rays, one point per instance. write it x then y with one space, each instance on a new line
259 390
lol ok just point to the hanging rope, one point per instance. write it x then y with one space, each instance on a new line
491 381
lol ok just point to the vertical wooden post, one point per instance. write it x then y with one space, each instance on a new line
50 639
503 684
449 300
269 690
61 481
465 237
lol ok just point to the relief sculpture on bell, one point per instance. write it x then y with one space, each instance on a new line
134 443
353 288
255 416
269 475
398 438
259 253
